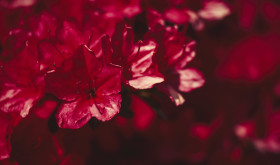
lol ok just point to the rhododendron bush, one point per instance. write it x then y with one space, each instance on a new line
139 82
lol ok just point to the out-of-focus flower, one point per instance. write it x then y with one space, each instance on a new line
251 13
21 83
214 10
251 60
269 142
17 3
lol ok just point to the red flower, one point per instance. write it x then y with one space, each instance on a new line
88 87
252 59
21 83
17 3
135 58
68 37
264 132
173 54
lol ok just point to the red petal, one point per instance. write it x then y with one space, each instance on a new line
177 53
94 65
19 99
15 43
128 42
145 82
108 81
17 3
142 57
214 10
117 43
75 75
63 85
68 34
23 69
95 42
143 73
176 16
84 63
187 55
49 57
189 79
42 26
106 48
122 43
106 107
74 114
154 18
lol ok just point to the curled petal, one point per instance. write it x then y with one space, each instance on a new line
145 82
175 96
189 52
190 79
143 74
142 58
178 54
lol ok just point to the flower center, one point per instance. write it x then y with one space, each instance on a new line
91 93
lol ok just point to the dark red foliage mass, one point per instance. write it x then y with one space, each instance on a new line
139 82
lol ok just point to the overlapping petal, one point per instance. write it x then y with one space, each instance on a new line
74 114
106 107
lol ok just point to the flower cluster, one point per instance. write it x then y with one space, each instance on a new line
75 66
139 81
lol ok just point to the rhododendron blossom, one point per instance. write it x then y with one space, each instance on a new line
173 54
88 87
135 58
139 82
